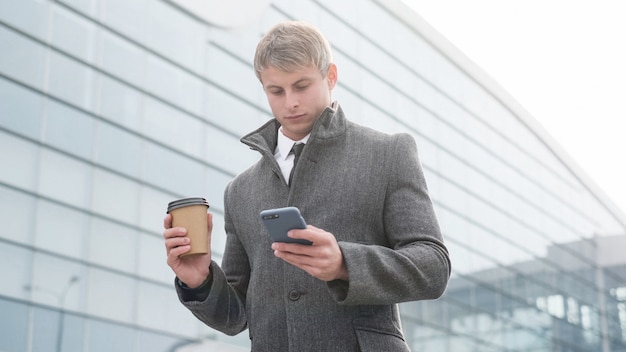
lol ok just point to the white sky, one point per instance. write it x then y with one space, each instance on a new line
564 61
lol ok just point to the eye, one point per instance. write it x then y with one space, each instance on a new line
302 87
276 92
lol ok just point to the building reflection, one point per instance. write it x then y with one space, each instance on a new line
531 306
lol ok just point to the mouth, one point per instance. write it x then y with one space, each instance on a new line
294 117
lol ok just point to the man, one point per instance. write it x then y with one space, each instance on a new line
376 239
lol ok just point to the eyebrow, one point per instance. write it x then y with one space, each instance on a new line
294 83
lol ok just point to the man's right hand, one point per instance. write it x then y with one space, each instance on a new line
193 270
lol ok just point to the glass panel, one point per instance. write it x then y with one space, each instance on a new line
110 296
214 185
16 216
106 249
56 330
88 7
13 326
168 170
127 17
152 260
240 42
242 340
152 208
17 280
120 103
122 59
46 329
64 179
118 150
22 157
115 197
25 61
174 85
218 236
158 308
226 151
176 35
72 34
56 282
158 342
60 229
70 81
20 109
69 130
107 337
170 126
30 16
233 114
74 333
232 74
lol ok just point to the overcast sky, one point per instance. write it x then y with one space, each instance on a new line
563 61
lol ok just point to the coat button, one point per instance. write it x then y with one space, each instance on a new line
294 295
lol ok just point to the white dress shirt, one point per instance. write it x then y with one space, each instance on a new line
282 153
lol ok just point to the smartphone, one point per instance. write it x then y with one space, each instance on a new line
280 220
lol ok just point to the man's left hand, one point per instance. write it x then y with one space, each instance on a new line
323 259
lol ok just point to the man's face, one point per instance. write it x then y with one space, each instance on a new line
298 98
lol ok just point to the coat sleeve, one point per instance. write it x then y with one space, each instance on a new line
415 265
224 309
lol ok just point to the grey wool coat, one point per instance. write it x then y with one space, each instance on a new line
365 187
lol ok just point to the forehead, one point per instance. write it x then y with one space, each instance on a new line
272 76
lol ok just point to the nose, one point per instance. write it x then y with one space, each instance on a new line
292 100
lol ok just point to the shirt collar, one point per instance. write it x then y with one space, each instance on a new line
284 144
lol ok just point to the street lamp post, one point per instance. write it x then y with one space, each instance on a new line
61 324
60 296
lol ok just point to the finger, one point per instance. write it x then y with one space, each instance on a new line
291 258
312 234
174 232
295 248
174 253
209 219
167 221
298 253
305 234
175 242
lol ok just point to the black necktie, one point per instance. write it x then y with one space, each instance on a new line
296 150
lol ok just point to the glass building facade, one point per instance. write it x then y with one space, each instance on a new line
109 109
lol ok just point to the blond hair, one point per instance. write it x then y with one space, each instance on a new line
293 45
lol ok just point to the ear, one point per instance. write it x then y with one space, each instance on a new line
331 76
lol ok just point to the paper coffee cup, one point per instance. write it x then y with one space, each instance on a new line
191 213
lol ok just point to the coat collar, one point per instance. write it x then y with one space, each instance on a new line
331 124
